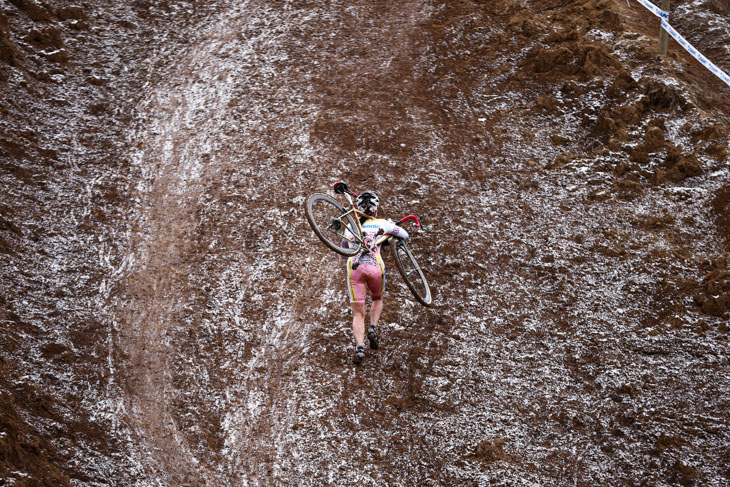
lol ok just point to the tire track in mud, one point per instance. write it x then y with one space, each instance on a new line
176 129
211 109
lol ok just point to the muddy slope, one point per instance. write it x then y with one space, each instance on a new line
168 317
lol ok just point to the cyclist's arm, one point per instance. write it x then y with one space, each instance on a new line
392 229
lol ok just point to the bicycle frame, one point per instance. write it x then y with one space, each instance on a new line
350 239
341 188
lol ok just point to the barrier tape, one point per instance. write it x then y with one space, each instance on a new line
664 15
695 53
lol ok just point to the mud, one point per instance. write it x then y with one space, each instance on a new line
169 318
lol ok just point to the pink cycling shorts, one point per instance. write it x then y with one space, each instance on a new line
368 276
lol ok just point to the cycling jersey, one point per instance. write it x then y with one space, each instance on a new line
366 270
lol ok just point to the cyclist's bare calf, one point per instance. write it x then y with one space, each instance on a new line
358 318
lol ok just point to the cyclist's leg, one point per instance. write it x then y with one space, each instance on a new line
376 284
357 291
375 309
358 322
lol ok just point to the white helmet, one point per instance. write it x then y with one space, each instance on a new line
367 202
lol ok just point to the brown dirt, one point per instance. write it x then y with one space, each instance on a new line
168 317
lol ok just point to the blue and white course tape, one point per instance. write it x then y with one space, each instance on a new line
695 53
664 15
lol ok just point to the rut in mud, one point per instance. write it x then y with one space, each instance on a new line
169 318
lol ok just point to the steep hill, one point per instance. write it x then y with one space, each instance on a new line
169 318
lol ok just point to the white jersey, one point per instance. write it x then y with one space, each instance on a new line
371 232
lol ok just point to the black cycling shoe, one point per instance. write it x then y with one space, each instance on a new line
373 338
359 354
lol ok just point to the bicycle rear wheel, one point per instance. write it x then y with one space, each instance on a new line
333 224
412 274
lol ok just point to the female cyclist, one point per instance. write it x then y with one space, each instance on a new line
366 272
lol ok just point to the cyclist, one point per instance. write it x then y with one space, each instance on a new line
366 272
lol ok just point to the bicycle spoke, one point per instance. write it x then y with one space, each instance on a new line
333 224
342 237
334 231
413 276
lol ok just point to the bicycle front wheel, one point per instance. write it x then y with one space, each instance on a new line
412 274
333 224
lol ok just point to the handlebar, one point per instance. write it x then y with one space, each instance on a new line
410 217
403 220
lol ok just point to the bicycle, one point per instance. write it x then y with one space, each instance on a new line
335 225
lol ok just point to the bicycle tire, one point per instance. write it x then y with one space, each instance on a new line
323 212
412 273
